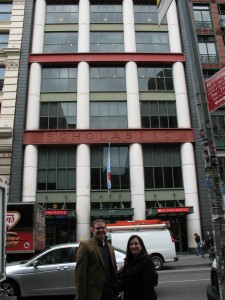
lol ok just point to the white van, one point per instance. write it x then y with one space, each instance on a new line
158 241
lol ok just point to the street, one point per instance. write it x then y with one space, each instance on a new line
186 283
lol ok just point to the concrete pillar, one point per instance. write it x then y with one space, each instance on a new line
39 26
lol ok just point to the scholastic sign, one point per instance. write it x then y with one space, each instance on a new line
173 210
56 212
215 90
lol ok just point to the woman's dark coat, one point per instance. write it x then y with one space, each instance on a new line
138 279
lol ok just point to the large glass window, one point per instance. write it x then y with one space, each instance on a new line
146 13
119 168
162 166
108 115
107 79
58 115
152 42
221 161
56 168
5 11
59 80
202 16
62 13
107 41
2 76
106 13
4 38
65 42
155 79
218 123
158 114
207 49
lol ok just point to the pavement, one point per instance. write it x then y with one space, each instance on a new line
190 260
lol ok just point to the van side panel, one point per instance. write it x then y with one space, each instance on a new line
156 241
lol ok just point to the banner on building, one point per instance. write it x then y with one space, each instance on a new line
215 90
109 185
163 6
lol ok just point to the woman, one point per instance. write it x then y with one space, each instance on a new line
138 273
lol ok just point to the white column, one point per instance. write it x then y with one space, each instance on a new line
135 150
191 192
83 205
84 26
183 115
39 25
32 123
129 29
173 29
30 173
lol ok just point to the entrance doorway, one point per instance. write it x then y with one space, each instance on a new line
59 230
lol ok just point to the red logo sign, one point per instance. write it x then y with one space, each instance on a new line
215 90
56 212
173 210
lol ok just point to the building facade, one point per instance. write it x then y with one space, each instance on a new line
11 28
98 79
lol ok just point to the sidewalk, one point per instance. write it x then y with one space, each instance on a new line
187 260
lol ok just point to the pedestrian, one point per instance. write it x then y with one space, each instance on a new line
208 240
138 273
96 270
199 245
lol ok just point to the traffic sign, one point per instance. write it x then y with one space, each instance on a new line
215 90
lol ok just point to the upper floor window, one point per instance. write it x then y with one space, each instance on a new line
202 16
221 8
58 115
221 161
162 166
56 168
146 13
207 49
108 115
4 38
65 42
106 13
155 79
107 79
2 76
107 41
62 13
158 114
218 123
120 175
5 11
207 73
152 42
59 80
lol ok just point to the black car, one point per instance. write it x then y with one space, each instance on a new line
213 287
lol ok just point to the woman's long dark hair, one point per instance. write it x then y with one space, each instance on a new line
129 255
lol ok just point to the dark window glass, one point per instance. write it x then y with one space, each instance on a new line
106 42
119 168
62 13
156 42
59 80
61 42
162 166
146 13
56 168
106 13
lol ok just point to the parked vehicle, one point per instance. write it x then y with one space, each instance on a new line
157 238
213 287
51 272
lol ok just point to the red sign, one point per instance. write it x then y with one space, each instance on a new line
215 90
56 212
172 210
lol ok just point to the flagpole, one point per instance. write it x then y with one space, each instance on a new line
109 183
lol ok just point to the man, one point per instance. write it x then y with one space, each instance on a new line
95 277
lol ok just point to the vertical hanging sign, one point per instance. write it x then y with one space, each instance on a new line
109 170
163 6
